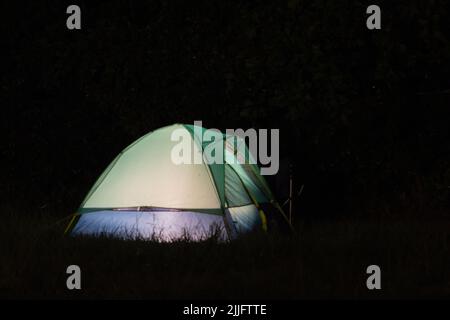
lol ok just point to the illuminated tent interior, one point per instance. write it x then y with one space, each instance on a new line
143 194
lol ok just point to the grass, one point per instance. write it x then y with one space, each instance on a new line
324 259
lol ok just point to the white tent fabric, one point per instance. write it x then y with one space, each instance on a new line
145 194
145 174
245 218
158 225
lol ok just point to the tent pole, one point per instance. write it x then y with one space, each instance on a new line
290 195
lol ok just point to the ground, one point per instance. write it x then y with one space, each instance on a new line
322 259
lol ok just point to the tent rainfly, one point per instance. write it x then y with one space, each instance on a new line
143 194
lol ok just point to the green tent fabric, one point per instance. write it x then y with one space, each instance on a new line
144 194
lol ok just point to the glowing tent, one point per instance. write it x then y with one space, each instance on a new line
144 194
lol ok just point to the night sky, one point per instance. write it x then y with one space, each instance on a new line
362 113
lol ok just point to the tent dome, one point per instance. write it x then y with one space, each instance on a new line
144 194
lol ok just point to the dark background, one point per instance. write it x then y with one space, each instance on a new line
363 114
363 119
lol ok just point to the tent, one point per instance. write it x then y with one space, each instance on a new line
144 194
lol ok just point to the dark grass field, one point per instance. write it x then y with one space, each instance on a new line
323 259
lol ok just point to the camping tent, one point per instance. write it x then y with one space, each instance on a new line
144 194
